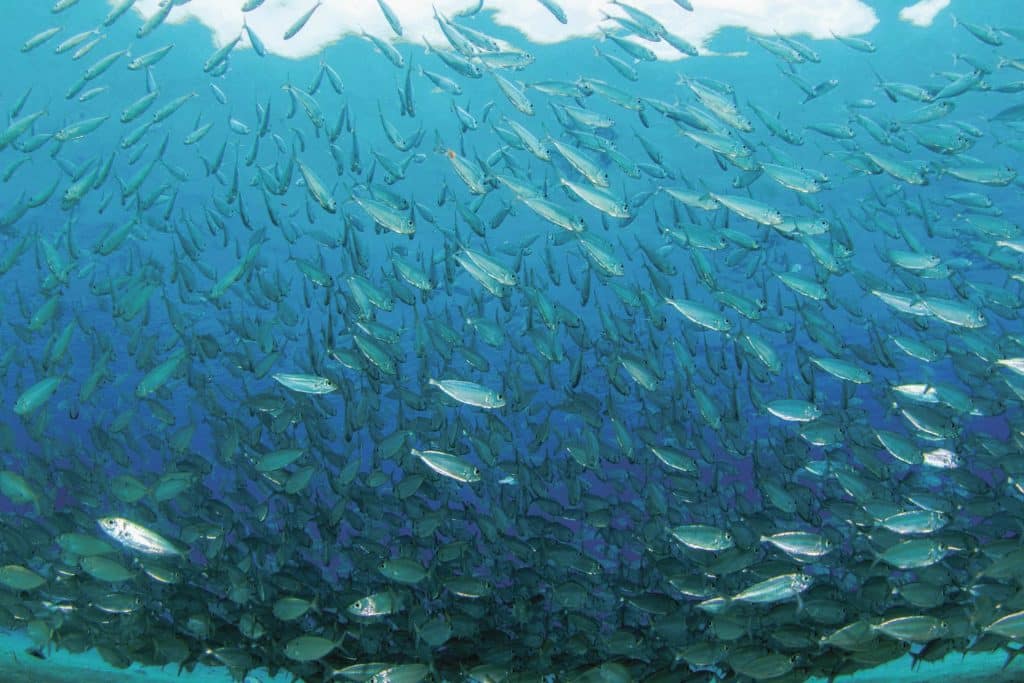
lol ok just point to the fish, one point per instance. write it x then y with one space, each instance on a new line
793 410
391 17
703 537
775 589
301 22
40 38
555 10
19 578
117 11
74 41
515 93
155 20
469 393
317 189
308 648
148 59
159 375
137 537
306 384
600 198
448 465
221 54
855 43
329 361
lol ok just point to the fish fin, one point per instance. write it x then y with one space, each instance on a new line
1010 656
878 558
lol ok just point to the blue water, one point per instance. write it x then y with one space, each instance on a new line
568 528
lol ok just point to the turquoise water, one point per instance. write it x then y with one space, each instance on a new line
18 667
562 359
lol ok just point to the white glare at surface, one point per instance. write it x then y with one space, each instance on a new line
923 13
335 18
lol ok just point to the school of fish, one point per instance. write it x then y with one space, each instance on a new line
491 376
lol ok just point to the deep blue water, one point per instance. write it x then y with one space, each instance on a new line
569 525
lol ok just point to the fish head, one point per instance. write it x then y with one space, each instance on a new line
801 582
110 525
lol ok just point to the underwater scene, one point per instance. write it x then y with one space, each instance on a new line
488 340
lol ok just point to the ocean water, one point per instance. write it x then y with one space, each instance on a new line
524 354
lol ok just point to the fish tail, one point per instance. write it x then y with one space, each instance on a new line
1010 656
878 558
